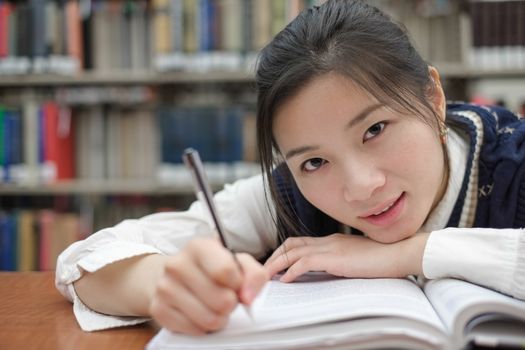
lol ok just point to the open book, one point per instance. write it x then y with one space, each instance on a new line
321 311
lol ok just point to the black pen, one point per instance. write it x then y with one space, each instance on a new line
204 194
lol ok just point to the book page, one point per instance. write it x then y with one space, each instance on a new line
458 302
319 311
317 298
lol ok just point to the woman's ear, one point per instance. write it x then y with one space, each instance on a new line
437 95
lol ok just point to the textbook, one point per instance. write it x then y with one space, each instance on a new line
320 311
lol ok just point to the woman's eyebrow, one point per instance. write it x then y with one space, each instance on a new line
361 116
299 150
354 121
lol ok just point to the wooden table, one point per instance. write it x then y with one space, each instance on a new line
33 315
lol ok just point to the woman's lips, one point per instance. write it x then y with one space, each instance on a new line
387 215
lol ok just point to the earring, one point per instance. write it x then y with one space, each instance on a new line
443 132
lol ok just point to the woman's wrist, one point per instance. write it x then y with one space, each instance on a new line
123 288
410 253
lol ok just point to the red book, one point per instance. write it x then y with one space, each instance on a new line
50 119
59 140
66 144
4 29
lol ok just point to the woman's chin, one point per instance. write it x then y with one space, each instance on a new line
388 237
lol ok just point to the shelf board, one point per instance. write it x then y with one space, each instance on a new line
124 77
84 187
461 71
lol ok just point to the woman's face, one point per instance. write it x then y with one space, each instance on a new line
358 161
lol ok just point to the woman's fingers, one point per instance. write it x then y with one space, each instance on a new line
173 294
289 256
289 244
304 264
201 286
173 319
255 277
221 267
216 262
218 298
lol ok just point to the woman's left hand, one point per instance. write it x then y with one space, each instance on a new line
347 256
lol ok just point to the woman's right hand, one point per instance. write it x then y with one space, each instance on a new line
201 285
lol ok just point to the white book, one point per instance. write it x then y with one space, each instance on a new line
320 311
30 141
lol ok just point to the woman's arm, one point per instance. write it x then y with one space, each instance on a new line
123 288
117 249
193 292
494 258
348 256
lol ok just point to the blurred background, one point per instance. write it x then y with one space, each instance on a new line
98 98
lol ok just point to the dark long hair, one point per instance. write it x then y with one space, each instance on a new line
350 38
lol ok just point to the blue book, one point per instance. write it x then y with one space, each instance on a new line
204 25
6 121
37 9
41 137
193 122
229 134
174 132
15 128
7 242
2 140
12 236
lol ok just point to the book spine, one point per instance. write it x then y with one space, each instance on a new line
4 29
7 242
50 118
65 142
74 32
162 26
177 25
7 145
45 224
86 18
30 139
27 242
38 12
15 145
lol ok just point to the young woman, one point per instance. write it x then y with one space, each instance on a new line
367 172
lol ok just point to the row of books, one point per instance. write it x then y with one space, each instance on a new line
481 34
498 34
31 240
49 142
63 36
40 36
34 230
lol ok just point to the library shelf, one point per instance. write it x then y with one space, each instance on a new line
101 187
126 77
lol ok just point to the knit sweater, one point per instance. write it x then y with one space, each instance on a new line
493 187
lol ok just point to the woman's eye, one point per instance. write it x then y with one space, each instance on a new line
374 130
312 164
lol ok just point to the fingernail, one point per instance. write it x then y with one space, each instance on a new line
284 278
248 295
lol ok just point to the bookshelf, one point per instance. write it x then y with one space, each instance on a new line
124 77
119 79
447 71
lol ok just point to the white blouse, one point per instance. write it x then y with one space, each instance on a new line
491 257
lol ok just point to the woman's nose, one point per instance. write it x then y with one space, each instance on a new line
361 181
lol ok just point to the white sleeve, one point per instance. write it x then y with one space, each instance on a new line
243 210
494 258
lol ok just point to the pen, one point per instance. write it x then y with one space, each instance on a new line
203 192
